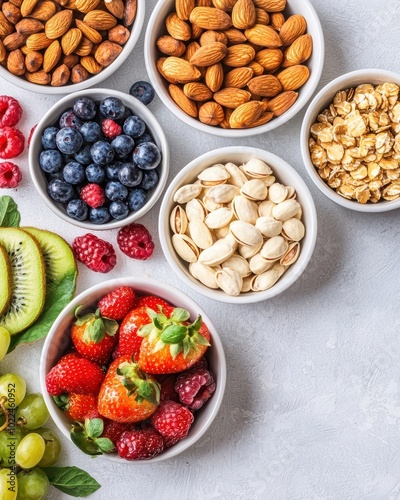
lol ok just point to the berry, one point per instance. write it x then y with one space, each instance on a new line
99 215
172 420
142 91
134 126
78 406
129 340
137 199
102 153
69 140
94 173
135 241
10 111
49 138
118 210
129 175
115 191
114 430
10 175
84 108
93 195
146 137
154 303
112 170
140 444
112 107
60 191
91 132
77 209
74 172
31 134
50 160
98 255
123 145
118 303
69 119
195 387
110 128
168 392
146 156
83 155
150 179
11 142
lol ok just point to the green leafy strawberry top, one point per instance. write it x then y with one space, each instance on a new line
96 325
138 383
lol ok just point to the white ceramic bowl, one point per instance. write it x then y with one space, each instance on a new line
58 342
318 104
92 80
52 116
156 28
284 174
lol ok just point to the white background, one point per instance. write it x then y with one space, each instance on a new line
312 404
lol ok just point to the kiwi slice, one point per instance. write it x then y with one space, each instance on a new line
5 280
28 279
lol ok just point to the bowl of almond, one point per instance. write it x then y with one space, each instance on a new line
234 68
60 46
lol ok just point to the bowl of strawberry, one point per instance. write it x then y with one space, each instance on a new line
99 160
133 370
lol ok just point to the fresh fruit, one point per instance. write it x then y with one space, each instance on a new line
89 438
8 484
195 387
31 134
118 210
69 119
11 142
99 215
5 283
142 91
168 392
50 160
112 107
154 302
114 430
32 484
123 145
95 173
74 173
129 342
60 191
49 137
93 195
52 449
32 412
140 444
91 132
5 339
130 175
147 156
137 199
12 389
135 241
110 128
30 450
172 420
9 441
69 140
117 304
77 209
10 111
84 108
77 406
10 175
102 153
134 126
98 255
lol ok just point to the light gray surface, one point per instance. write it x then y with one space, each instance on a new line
312 406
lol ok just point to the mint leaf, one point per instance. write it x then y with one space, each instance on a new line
71 480
94 427
9 215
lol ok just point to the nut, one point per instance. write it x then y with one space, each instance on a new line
100 20
180 70
209 54
27 7
86 5
130 12
70 40
43 11
246 114
14 41
294 77
178 29
210 18
51 56
197 91
90 33
298 52
238 77
91 65
29 26
40 78
107 52
214 77
211 113
16 62
294 27
116 7
58 24
119 34
243 14
184 8
60 76
79 74
265 85
231 97
11 12
170 46
33 61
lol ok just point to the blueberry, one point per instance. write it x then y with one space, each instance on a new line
99 215
91 132
102 153
118 210
60 191
49 138
115 191
74 172
127 113
129 175
137 199
112 170
55 175
142 91
84 108
123 145
77 209
95 173
112 107
150 179
147 156
69 140
50 160
146 137
83 155
134 126
69 119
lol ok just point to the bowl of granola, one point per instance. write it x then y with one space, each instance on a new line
350 140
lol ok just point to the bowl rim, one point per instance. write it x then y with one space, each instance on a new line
304 97
216 400
150 118
249 297
313 109
93 80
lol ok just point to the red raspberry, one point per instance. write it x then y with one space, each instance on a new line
114 430
11 142
10 111
98 255
135 241
195 387
172 420
31 134
10 175
93 195
167 389
118 303
141 444
110 128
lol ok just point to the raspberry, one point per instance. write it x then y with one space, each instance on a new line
98 255
10 175
172 420
11 142
31 134
195 387
110 128
93 195
167 389
118 303
114 430
10 111
135 241
141 444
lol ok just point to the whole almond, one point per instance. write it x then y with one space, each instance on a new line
209 54
29 26
38 41
277 20
86 5
225 122
264 36
119 34
243 14
211 113
264 118
265 86
271 5
52 56
70 61
180 70
178 29
130 12
294 77
270 59
281 103
184 8
107 52
17 3
224 4
71 5
239 55
43 11
262 17
257 68
91 65
196 31
197 91
246 114
160 64
232 97
204 3
60 76
39 77
27 7
90 33
214 77
79 74
6 28
16 62
14 41
294 27
100 20
33 61
298 52
70 40
58 24
211 36
191 48
116 7
186 105
169 46
210 18
11 12
238 77
24 49
84 48
3 52
235 36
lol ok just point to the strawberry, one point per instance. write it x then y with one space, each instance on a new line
172 420
127 394
94 336
152 302
76 406
118 303
170 344
129 342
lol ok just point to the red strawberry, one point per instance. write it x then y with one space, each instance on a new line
127 394
152 302
78 406
129 341
118 303
140 444
172 420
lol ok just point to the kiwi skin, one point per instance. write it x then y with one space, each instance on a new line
5 280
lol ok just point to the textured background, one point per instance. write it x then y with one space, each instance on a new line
312 405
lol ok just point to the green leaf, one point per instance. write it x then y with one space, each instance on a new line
175 349
110 326
150 391
9 214
105 445
179 315
97 334
62 401
173 334
80 438
159 345
157 322
197 324
199 339
145 330
94 427
71 480
187 347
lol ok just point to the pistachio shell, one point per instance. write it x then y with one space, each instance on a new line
265 208
204 274
248 252
259 265
200 234
254 189
246 285
244 209
195 210
268 226
277 192
293 229
291 192
185 247
245 233
231 241
221 232
274 248
178 220
237 178
291 255
217 253
187 193
223 193
279 268
238 263
265 280
213 176
229 281
299 214
210 205
286 210
268 181
219 218
257 168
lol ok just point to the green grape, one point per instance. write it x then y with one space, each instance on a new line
32 413
5 339
32 485
9 441
13 388
52 451
30 451
8 485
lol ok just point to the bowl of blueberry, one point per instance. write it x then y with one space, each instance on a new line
100 159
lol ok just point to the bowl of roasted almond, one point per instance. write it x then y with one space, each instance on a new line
234 68
56 47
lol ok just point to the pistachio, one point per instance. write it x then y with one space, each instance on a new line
230 281
244 209
211 205
245 233
257 169
204 274
187 193
286 210
213 176
265 208
274 248
259 265
178 220
246 284
185 247
223 193
254 190
195 210
221 232
265 280
268 181
291 255
293 229
238 263
248 252
268 226
237 177
200 234
277 192
218 218
216 253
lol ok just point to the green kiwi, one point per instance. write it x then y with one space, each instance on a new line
5 281
28 279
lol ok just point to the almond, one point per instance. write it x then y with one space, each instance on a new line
16 62
264 36
14 41
235 36
39 77
265 85
180 70
210 18
11 12
186 105
184 8
70 40
43 11
169 46
243 14
70 61
71 5
190 50
116 7
6 28
91 65
262 17
294 77
160 64
211 113
86 5
58 24
209 54
197 91
51 56
282 102
271 5
119 34
196 31
204 3
3 52
60 76
257 68
84 48
33 61
224 4
79 74
264 118
246 114
24 49
277 20
17 3
214 77
238 77
211 36
298 52
29 26
27 7
38 41
270 59
239 55
130 12
225 122
107 52
90 33
294 27
100 20
232 97
178 29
